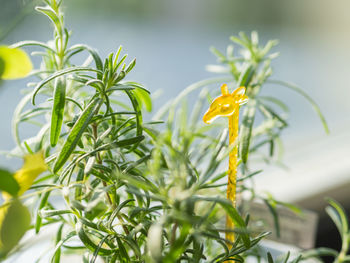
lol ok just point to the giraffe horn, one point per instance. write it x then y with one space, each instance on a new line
224 89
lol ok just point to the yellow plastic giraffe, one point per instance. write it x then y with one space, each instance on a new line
227 105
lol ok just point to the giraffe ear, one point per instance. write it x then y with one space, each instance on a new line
224 89
239 91
242 99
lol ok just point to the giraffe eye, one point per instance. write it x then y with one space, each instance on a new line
226 108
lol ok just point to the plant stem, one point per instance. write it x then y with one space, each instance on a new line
99 161
173 233
344 249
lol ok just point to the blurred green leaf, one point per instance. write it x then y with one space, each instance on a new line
57 255
2 66
246 76
32 43
80 47
319 252
15 221
307 97
269 258
123 252
337 213
286 258
59 242
246 129
276 101
14 64
8 183
218 54
137 109
242 42
43 201
238 220
271 204
130 66
144 98
50 213
52 15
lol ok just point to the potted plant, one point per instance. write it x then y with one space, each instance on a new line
114 187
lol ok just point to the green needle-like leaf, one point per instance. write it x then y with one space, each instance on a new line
246 76
57 110
58 74
307 97
76 133
89 243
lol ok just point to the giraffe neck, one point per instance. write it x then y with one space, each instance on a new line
232 171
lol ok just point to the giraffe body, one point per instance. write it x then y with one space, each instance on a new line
227 105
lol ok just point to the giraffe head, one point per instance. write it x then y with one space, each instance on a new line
226 104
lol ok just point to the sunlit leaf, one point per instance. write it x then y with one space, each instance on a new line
144 98
14 222
14 64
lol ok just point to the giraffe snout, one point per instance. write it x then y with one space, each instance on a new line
209 116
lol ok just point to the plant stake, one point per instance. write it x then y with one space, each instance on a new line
227 105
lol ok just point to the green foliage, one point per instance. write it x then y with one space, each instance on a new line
131 190
8 183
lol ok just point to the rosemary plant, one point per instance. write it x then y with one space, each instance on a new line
121 189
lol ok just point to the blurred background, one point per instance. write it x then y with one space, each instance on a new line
171 41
